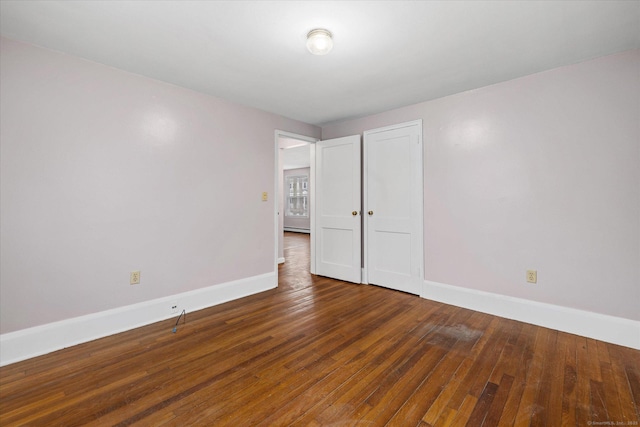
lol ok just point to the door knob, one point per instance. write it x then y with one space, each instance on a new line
354 213
370 213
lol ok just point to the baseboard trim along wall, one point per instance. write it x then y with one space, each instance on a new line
602 327
39 340
297 230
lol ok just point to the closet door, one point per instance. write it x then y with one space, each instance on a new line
393 194
338 230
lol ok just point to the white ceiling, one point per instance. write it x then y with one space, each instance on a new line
387 54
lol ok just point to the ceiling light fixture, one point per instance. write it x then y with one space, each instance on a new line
319 41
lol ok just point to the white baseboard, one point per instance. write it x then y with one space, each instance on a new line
602 327
281 260
297 230
39 340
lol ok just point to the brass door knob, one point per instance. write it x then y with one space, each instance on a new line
370 213
354 213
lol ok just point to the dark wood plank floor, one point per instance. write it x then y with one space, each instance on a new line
316 352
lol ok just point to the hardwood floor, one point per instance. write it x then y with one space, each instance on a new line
318 351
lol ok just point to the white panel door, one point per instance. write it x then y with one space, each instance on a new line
338 230
393 207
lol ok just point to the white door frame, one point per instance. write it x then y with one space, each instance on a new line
365 171
277 196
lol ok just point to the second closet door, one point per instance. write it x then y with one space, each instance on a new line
393 194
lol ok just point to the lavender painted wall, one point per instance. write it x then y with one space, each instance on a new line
541 172
104 172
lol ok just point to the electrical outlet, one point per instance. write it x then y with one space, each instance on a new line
174 308
134 278
265 196
532 276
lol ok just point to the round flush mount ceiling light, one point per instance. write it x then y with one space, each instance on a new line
319 41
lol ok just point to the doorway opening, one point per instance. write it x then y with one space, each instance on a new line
294 181
296 167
